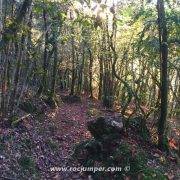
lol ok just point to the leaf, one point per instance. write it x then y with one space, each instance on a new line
169 176
156 155
173 144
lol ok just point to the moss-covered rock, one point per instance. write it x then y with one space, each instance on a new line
51 101
106 126
71 99
123 161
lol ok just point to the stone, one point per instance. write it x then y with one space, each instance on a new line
71 99
106 126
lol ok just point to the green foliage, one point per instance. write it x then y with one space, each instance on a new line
14 120
28 143
149 174
51 101
52 144
28 106
87 152
94 112
91 152
2 144
124 156
38 8
52 128
108 101
165 144
27 163
140 125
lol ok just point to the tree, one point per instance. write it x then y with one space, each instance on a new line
164 76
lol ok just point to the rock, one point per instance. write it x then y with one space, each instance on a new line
106 126
71 99
50 101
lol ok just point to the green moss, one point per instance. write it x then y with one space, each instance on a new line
2 145
40 117
14 121
51 101
28 107
140 124
122 156
53 145
28 143
93 112
52 128
149 174
123 149
27 163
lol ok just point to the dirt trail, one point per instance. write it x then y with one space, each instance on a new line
45 141
70 121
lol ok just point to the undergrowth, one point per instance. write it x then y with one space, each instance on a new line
94 153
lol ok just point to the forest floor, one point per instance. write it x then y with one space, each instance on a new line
40 143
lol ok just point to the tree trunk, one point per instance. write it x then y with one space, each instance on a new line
1 18
43 84
164 75
73 80
55 66
15 25
90 74
100 78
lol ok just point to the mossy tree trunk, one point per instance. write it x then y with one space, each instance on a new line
164 76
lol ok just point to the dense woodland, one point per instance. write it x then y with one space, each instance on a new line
123 55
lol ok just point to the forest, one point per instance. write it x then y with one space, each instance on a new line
89 89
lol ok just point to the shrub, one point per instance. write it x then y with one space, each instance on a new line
27 163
